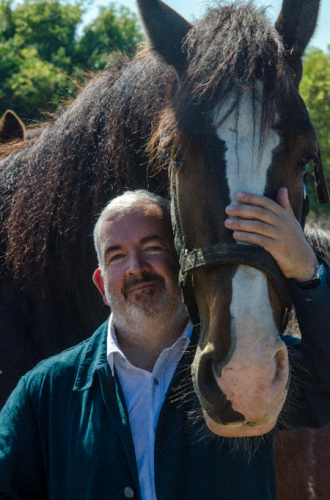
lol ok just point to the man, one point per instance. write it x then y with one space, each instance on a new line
108 418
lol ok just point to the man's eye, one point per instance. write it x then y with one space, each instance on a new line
154 248
303 163
306 160
116 257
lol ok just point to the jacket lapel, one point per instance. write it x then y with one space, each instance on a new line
93 364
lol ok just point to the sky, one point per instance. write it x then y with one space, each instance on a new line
192 9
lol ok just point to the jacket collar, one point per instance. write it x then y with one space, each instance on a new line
94 356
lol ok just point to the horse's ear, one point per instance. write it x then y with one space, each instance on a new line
296 25
166 30
11 127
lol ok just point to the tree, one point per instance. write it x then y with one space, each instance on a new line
116 29
37 40
49 26
41 55
315 90
35 85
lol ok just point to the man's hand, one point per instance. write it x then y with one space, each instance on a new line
274 227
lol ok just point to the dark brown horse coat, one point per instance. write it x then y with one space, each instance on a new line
50 189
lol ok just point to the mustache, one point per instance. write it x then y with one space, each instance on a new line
145 278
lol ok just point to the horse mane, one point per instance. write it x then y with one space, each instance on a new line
231 48
319 239
52 190
232 45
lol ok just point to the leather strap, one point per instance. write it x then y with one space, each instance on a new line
320 182
237 254
227 253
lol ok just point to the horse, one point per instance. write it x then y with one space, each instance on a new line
237 103
11 127
217 103
14 135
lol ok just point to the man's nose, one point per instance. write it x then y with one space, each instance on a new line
137 264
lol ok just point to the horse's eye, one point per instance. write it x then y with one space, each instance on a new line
304 163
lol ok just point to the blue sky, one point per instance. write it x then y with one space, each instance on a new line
191 9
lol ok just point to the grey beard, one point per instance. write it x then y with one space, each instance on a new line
145 315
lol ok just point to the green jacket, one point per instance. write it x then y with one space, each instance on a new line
64 432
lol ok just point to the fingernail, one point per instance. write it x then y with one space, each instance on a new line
230 208
229 222
240 194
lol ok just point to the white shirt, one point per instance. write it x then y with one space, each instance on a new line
144 394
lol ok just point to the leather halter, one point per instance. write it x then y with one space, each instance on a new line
233 253
320 182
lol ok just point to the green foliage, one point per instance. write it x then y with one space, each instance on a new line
116 29
40 53
7 23
315 90
35 85
48 26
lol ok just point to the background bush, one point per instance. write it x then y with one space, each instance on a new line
41 54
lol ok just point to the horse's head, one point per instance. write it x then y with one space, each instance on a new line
236 123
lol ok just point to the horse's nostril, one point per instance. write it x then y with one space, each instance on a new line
212 398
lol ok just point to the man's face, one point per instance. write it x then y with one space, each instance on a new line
139 276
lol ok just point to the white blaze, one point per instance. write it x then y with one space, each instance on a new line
255 338
250 380
247 163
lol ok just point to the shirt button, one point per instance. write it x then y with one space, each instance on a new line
156 381
128 492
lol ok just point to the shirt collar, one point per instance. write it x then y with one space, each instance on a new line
113 346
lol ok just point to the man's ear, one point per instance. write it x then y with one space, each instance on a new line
99 282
